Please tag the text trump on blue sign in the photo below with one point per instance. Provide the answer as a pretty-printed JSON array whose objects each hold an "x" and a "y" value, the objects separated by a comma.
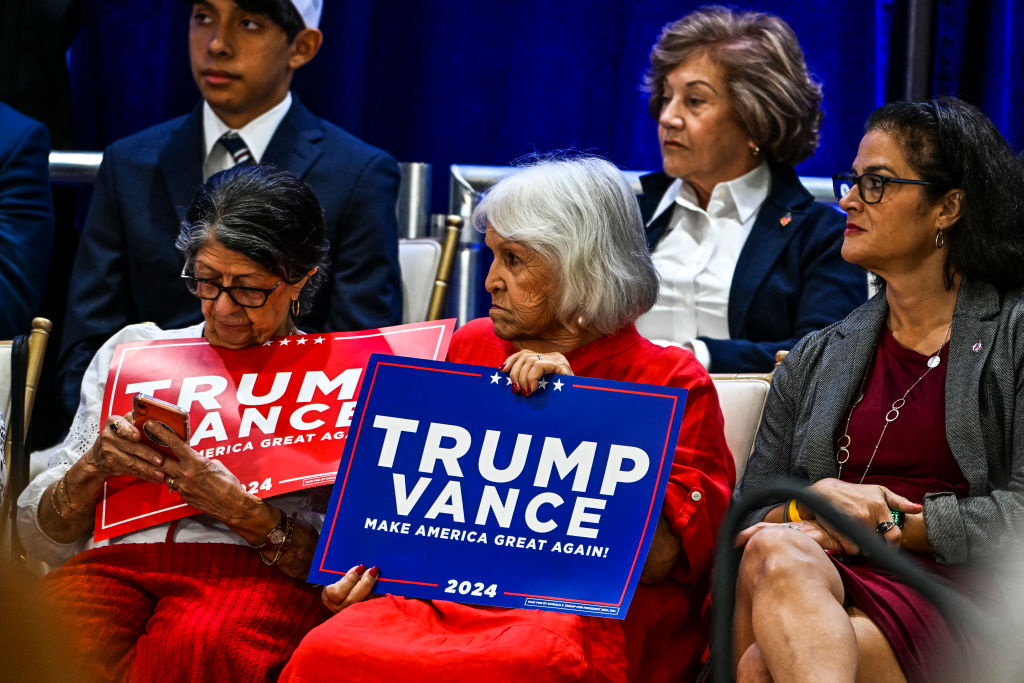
[{"x": 460, "y": 489}]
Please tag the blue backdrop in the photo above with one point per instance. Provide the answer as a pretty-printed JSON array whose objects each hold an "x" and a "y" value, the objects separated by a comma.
[{"x": 449, "y": 81}]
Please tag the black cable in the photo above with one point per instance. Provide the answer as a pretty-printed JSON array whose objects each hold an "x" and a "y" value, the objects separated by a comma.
[{"x": 957, "y": 610}]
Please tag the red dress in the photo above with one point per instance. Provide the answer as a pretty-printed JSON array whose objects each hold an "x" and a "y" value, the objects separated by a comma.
[
  {"x": 913, "y": 459},
  {"x": 666, "y": 629}
]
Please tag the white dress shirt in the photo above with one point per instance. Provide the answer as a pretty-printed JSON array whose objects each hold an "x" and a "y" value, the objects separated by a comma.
[
  {"x": 256, "y": 135},
  {"x": 696, "y": 259}
]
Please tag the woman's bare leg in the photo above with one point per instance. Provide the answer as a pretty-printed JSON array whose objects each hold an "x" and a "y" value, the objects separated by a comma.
[
  {"x": 752, "y": 668},
  {"x": 790, "y": 602},
  {"x": 876, "y": 662}
]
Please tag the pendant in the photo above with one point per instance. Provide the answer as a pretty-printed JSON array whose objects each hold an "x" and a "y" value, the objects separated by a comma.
[{"x": 934, "y": 361}]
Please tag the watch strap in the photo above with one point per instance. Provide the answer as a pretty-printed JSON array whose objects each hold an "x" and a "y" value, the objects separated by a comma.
[{"x": 279, "y": 530}]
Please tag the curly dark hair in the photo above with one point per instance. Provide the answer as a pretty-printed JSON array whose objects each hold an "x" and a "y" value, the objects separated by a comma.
[
  {"x": 953, "y": 145},
  {"x": 268, "y": 215}
]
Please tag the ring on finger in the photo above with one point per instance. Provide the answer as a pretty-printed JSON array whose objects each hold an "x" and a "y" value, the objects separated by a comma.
[
  {"x": 171, "y": 485},
  {"x": 884, "y": 527},
  {"x": 540, "y": 357}
]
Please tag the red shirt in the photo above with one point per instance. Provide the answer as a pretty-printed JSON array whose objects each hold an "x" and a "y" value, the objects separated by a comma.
[{"x": 666, "y": 629}]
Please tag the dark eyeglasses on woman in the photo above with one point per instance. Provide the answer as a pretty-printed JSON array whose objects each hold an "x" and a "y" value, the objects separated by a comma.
[
  {"x": 247, "y": 297},
  {"x": 870, "y": 185}
]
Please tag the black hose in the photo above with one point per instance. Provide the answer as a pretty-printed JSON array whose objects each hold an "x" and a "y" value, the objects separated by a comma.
[{"x": 957, "y": 609}]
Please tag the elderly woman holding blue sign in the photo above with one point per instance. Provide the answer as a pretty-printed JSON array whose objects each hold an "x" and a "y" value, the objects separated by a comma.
[
  {"x": 156, "y": 602},
  {"x": 571, "y": 274}
]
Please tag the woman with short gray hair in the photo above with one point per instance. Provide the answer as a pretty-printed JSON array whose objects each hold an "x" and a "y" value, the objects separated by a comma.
[
  {"x": 749, "y": 261},
  {"x": 585, "y": 225},
  {"x": 570, "y": 275}
]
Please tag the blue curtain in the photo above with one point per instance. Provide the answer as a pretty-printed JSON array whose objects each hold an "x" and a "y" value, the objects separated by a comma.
[
  {"x": 450, "y": 81},
  {"x": 980, "y": 58}
]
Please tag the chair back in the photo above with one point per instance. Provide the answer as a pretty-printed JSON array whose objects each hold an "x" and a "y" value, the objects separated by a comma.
[
  {"x": 419, "y": 259},
  {"x": 426, "y": 268},
  {"x": 742, "y": 399},
  {"x": 21, "y": 363}
]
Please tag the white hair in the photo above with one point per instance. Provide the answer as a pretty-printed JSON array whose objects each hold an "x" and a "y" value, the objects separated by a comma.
[{"x": 581, "y": 216}]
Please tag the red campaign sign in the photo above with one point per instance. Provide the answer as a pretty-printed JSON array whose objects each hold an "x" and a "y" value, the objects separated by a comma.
[{"x": 277, "y": 415}]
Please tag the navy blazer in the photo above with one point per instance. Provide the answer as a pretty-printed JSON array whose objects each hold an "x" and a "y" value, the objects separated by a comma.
[
  {"x": 127, "y": 268},
  {"x": 26, "y": 220},
  {"x": 790, "y": 278}
]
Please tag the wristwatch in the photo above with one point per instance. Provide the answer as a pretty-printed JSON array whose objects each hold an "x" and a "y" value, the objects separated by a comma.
[{"x": 276, "y": 535}]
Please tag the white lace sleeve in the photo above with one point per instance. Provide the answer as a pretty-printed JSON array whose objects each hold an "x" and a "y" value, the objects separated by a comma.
[{"x": 80, "y": 438}]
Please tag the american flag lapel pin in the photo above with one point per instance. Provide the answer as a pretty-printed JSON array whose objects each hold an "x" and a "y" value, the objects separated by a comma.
[{"x": 784, "y": 221}]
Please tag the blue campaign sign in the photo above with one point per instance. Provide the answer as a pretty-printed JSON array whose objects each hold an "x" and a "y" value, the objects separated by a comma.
[{"x": 459, "y": 489}]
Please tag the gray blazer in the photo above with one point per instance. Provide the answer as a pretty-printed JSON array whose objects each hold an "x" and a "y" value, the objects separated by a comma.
[{"x": 817, "y": 381}]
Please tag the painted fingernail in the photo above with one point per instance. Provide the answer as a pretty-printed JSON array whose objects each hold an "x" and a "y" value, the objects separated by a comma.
[
  {"x": 359, "y": 569},
  {"x": 515, "y": 388},
  {"x": 373, "y": 572},
  {"x": 528, "y": 391}
]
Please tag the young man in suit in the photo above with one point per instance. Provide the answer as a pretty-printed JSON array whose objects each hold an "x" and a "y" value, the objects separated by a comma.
[{"x": 243, "y": 55}]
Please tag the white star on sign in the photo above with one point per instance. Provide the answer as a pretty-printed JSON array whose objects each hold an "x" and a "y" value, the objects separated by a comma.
[
  {"x": 300, "y": 340},
  {"x": 268, "y": 343},
  {"x": 558, "y": 385},
  {"x": 318, "y": 340},
  {"x": 283, "y": 342},
  {"x": 495, "y": 378},
  {"x": 508, "y": 380},
  {"x": 542, "y": 384}
]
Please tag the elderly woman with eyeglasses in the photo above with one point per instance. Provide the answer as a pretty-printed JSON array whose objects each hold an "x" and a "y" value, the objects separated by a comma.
[
  {"x": 908, "y": 415},
  {"x": 220, "y": 595},
  {"x": 748, "y": 261}
]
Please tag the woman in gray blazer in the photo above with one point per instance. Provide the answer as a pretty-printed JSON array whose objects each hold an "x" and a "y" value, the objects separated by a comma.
[{"x": 908, "y": 415}]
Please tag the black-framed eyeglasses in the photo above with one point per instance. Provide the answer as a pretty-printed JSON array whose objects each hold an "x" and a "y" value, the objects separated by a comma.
[
  {"x": 870, "y": 185},
  {"x": 247, "y": 297}
]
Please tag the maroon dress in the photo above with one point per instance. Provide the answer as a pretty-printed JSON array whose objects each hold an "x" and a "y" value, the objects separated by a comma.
[{"x": 913, "y": 459}]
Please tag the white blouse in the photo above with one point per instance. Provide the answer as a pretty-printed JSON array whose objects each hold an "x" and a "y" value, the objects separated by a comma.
[
  {"x": 696, "y": 260},
  {"x": 84, "y": 430}
]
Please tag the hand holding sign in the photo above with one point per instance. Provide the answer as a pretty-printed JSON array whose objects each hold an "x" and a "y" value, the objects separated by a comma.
[
  {"x": 460, "y": 498},
  {"x": 354, "y": 587},
  {"x": 527, "y": 368}
]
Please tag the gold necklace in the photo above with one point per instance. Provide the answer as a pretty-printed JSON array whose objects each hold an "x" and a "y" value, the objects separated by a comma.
[{"x": 843, "y": 452}]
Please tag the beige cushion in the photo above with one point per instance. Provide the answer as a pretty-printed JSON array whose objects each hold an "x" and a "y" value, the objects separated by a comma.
[
  {"x": 419, "y": 259},
  {"x": 742, "y": 400}
]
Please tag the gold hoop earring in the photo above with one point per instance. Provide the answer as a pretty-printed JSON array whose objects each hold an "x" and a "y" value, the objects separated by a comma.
[
  {"x": 940, "y": 238},
  {"x": 296, "y": 307}
]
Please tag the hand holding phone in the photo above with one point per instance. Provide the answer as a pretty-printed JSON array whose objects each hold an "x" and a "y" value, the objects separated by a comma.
[{"x": 146, "y": 408}]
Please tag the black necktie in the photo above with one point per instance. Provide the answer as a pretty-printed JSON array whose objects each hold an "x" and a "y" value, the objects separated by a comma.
[{"x": 236, "y": 148}]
